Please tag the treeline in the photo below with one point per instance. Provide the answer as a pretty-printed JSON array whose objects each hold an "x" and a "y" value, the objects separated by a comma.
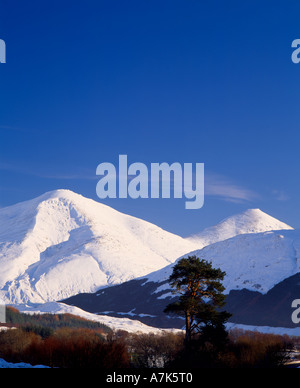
[
  {"x": 77, "y": 343},
  {"x": 60, "y": 340},
  {"x": 87, "y": 348},
  {"x": 65, "y": 348},
  {"x": 242, "y": 349},
  {"x": 46, "y": 324}
]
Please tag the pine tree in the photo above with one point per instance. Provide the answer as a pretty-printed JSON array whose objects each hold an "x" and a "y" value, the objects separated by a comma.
[{"x": 200, "y": 296}]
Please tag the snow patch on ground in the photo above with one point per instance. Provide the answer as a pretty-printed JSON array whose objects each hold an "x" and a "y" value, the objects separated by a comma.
[
  {"x": 8, "y": 365},
  {"x": 129, "y": 325},
  {"x": 266, "y": 329}
]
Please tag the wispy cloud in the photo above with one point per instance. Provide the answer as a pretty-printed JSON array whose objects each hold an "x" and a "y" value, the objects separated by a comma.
[
  {"x": 215, "y": 184},
  {"x": 224, "y": 188},
  {"x": 18, "y": 169},
  {"x": 280, "y": 195}
]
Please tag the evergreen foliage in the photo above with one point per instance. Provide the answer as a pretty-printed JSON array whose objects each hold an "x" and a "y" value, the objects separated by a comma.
[
  {"x": 200, "y": 297},
  {"x": 45, "y": 324}
]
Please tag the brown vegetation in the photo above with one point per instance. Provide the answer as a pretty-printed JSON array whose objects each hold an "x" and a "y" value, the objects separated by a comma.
[
  {"x": 243, "y": 349},
  {"x": 93, "y": 347},
  {"x": 154, "y": 350},
  {"x": 66, "y": 348},
  {"x": 254, "y": 349},
  {"x": 60, "y": 340}
]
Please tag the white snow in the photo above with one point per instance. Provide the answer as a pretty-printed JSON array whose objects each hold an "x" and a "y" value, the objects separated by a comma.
[
  {"x": 135, "y": 326},
  {"x": 61, "y": 244},
  {"x": 266, "y": 329},
  {"x": 256, "y": 261},
  {"x": 129, "y": 325},
  {"x": 5, "y": 365},
  {"x": 250, "y": 221}
]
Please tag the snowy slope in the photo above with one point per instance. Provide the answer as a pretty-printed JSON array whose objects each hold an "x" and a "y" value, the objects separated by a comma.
[
  {"x": 255, "y": 261},
  {"x": 62, "y": 243},
  {"x": 129, "y": 325},
  {"x": 250, "y": 221},
  {"x": 255, "y": 250},
  {"x": 262, "y": 279}
]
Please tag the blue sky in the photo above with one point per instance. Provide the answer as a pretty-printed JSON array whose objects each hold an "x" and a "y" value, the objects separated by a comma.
[{"x": 160, "y": 81}]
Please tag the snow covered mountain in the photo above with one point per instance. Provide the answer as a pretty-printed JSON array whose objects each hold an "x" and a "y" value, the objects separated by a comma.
[
  {"x": 262, "y": 279},
  {"x": 254, "y": 261},
  {"x": 250, "y": 221},
  {"x": 62, "y": 243}
]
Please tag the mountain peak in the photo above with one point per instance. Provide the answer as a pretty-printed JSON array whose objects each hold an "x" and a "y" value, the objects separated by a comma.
[
  {"x": 257, "y": 219},
  {"x": 249, "y": 221},
  {"x": 62, "y": 243},
  {"x": 60, "y": 193},
  {"x": 255, "y": 212}
]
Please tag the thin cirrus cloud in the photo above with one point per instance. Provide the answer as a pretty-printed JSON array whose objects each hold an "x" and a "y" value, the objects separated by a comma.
[
  {"x": 26, "y": 170},
  {"x": 223, "y": 188},
  {"x": 280, "y": 195},
  {"x": 215, "y": 185}
]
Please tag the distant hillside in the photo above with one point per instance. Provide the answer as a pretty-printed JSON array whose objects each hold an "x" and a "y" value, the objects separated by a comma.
[{"x": 35, "y": 322}]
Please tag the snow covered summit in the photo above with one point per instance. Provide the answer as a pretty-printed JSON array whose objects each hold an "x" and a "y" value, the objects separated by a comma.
[
  {"x": 62, "y": 243},
  {"x": 250, "y": 221},
  {"x": 262, "y": 280}
]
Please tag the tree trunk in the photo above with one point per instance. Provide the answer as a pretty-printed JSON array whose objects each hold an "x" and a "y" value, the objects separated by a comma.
[{"x": 188, "y": 324}]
